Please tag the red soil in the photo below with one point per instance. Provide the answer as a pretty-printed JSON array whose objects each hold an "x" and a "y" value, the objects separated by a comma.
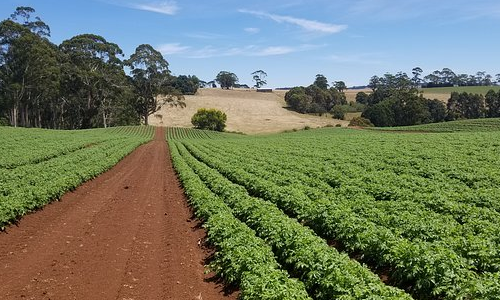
[{"x": 127, "y": 234}]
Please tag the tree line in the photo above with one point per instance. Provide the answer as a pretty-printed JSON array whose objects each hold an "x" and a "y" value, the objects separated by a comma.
[
  {"x": 446, "y": 77},
  {"x": 396, "y": 101},
  {"x": 82, "y": 82},
  {"x": 318, "y": 97}
]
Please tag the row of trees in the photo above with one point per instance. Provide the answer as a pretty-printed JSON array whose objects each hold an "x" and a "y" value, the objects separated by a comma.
[
  {"x": 446, "y": 77},
  {"x": 316, "y": 98},
  {"x": 228, "y": 80},
  {"x": 395, "y": 101},
  {"x": 80, "y": 83}
]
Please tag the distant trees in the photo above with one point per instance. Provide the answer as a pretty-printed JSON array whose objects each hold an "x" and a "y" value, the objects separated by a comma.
[
  {"x": 81, "y": 83},
  {"x": 395, "y": 101},
  {"x": 321, "y": 82},
  {"x": 210, "y": 119},
  {"x": 446, "y": 77},
  {"x": 316, "y": 98},
  {"x": 340, "y": 86},
  {"x": 226, "y": 79},
  {"x": 188, "y": 85},
  {"x": 259, "y": 78}
]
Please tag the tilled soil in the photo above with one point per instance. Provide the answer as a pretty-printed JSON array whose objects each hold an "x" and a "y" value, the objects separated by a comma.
[{"x": 127, "y": 234}]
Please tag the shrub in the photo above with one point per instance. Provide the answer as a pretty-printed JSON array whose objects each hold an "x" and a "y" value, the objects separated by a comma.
[
  {"x": 338, "y": 112},
  {"x": 361, "y": 122},
  {"x": 211, "y": 119}
]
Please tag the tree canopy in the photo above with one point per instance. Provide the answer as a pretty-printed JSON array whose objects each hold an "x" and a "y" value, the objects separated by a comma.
[{"x": 226, "y": 79}]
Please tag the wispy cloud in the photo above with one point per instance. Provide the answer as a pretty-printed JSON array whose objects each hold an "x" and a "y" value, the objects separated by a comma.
[
  {"x": 248, "y": 50},
  {"x": 163, "y": 7},
  {"x": 252, "y": 30},
  {"x": 172, "y": 48},
  {"x": 309, "y": 25}
]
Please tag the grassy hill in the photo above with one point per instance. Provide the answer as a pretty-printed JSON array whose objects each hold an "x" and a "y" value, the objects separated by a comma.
[{"x": 247, "y": 111}]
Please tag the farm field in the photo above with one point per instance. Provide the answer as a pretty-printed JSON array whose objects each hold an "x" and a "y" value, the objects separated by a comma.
[
  {"x": 416, "y": 213},
  {"x": 330, "y": 213},
  {"x": 127, "y": 234}
]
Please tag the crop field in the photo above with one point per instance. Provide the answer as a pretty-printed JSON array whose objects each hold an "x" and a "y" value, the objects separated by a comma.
[
  {"x": 350, "y": 214},
  {"x": 38, "y": 166},
  {"x": 330, "y": 213}
]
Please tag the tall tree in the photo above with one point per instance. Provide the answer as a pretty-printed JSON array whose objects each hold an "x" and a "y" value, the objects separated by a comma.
[
  {"x": 152, "y": 81},
  {"x": 340, "y": 86},
  {"x": 91, "y": 65},
  {"x": 28, "y": 69},
  {"x": 417, "y": 72},
  {"x": 36, "y": 26},
  {"x": 321, "y": 82},
  {"x": 259, "y": 77},
  {"x": 226, "y": 79}
]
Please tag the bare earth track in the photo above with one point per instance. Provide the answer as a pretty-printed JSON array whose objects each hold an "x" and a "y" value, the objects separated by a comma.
[{"x": 128, "y": 234}]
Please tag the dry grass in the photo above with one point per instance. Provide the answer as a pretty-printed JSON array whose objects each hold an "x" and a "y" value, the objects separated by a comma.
[{"x": 247, "y": 111}]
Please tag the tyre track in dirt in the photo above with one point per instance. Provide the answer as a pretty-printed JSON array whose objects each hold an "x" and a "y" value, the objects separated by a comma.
[{"x": 127, "y": 234}]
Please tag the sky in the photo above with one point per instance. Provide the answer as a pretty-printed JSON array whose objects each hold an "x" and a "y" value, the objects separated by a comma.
[{"x": 291, "y": 40}]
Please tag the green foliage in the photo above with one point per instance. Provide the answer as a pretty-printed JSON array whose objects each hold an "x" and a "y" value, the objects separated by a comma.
[
  {"x": 187, "y": 85},
  {"x": 226, "y": 79},
  {"x": 338, "y": 112},
  {"x": 209, "y": 119},
  {"x": 326, "y": 273},
  {"x": 314, "y": 99},
  {"x": 241, "y": 257},
  {"x": 465, "y": 106},
  {"x": 152, "y": 81},
  {"x": 360, "y": 122},
  {"x": 321, "y": 82},
  {"x": 362, "y": 98},
  {"x": 492, "y": 100},
  {"x": 418, "y": 207}
]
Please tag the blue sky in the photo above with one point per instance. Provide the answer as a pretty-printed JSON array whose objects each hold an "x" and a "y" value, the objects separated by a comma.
[{"x": 291, "y": 40}]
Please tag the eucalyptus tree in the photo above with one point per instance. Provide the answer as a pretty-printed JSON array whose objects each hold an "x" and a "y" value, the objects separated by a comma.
[
  {"x": 152, "y": 82},
  {"x": 226, "y": 79},
  {"x": 259, "y": 77},
  {"x": 29, "y": 71},
  {"x": 91, "y": 67}
]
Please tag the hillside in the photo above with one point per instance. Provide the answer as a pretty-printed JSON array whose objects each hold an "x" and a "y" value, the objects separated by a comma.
[{"x": 247, "y": 111}]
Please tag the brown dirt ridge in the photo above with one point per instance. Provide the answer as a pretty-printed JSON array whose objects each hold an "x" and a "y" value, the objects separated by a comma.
[{"x": 127, "y": 234}]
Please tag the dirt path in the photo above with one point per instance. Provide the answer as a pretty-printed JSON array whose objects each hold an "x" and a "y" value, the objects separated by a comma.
[{"x": 125, "y": 235}]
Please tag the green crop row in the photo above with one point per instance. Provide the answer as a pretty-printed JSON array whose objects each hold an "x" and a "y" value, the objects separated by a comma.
[
  {"x": 326, "y": 273},
  {"x": 241, "y": 257},
  {"x": 478, "y": 242},
  {"x": 425, "y": 268}
]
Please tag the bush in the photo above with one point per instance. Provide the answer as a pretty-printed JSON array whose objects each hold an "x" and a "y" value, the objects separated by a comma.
[
  {"x": 360, "y": 122},
  {"x": 338, "y": 112},
  {"x": 211, "y": 119}
]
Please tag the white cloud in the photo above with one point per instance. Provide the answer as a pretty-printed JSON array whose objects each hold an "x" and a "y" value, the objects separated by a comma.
[
  {"x": 309, "y": 25},
  {"x": 276, "y": 50},
  {"x": 172, "y": 48},
  {"x": 163, "y": 7},
  {"x": 249, "y": 50},
  {"x": 252, "y": 30}
]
